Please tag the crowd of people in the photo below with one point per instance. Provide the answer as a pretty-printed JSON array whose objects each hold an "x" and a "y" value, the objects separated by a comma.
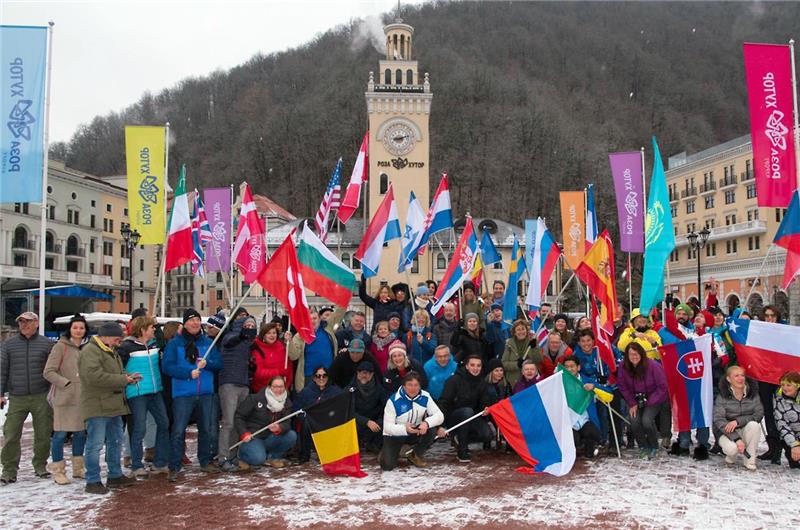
[{"x": 133, "y": 388}]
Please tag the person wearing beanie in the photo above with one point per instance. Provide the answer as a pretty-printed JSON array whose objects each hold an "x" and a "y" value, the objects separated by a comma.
[
  {"x": 497, "y": 330},
  {"x": 192, "y": 391},
  {"x": 399, "y": 365},
  {"x": 471, "y": 304},
  {"x": 343, "y": 368},
  {"x": 103, "y": 382},
  {"x": 214, "y": 325},
  {"x": 395, "y": 324},
  {"x": 402, "y": 298},
  {"x": 470, "y": 340},
  {"x": 424, "y": 300},
  {"x": 497, "y": 385},
  {"x": 369, "y": 398},
  {"x": 561, "y": 324}
]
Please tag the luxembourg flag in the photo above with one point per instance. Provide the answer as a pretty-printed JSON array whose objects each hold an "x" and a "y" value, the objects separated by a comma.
[
  {"x": 788, "y": 237},
  {"x": 440, "y": 214},
  {"x": 687, "y": 365},
  {"x": 545, "y": 258},
  {"x": 460, "y": 267},
  {"x": 383, "y": 227},
  {"x": 764, "y": 349},
  {"x": 415, "y": 228},
  {"x": 591, "y": 218},
  {"x": 179, "y": 242}
]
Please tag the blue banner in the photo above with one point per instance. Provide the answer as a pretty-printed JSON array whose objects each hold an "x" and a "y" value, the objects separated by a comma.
[
  {"x": 530, "y": 239},
  {"x": 23, "y": 60}
]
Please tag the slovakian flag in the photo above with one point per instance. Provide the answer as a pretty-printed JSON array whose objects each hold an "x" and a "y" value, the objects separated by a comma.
[
  {"x": 440, "y": 214},
  {"x": 281, "y": 277},
  {"x": 537, "y": 423},
  {"x": 248, "y": 249},
  {"x": 687, "y": 366},
  {"x": 323, "y": 272},
  {"x": 543, "y": 262},
  {"x": 768, "y": 71},
  {"x": 383, "y": 227},
  {"x": 591, "y": 219},
  {"x": 596, "y": 270},
  {"x": 460, "y": 267},
  {"x": 333, "y": 430},
  {"x": 352, "y": 194},
  {"x": 179, "y": 241},
  {"x": 788, "y": 237},
  {"x": 764, "y": 349}
]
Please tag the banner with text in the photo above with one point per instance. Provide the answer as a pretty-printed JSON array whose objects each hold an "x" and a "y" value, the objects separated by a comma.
[
  {"x": 626, "y": 168},
  {"x": 145, "y": 158},
  {"x": 23, "y": 62},
  {"x": 573, "y": 226},
  {"x": 218, "y": 212},
  {"x": 768, "y": 71}
]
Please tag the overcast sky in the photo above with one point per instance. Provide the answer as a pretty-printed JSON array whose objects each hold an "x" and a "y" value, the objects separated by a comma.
[{"x": 107, "y": 53}]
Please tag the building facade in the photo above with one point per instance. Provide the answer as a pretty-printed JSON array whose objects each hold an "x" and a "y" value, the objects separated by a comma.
[{"x": 715, "y": 188}]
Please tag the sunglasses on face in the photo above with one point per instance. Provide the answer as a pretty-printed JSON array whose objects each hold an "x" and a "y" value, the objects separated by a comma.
[
  {"x": 320, "y": 376},
  {"x": 770, "y": 315}
]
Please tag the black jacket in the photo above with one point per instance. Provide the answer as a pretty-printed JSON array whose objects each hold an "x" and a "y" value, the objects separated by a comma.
[
  {"x": 343, "y": 369},
  {"x": 464, "y": 344},
  {"x": 252, "y": 414},
  {"x": 392, "y": 378},
  {"x": 464, "y": 390},
  {"x": 22, "y": 363},
  {"x": 369, "y": 407}
]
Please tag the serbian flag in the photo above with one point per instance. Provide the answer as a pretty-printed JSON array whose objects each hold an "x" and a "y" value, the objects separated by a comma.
[
  {"x": 537, "y": 423},
  {"x": 596, "y": 270},
  {"x": 687, "y": 366},
  {"x": 440, "y": 214},
  {"x": 383, "y": 227},
  {"x": 764, "y": 349},
  {"x": 460, "y": 267},
  {"x": 788, "y": 237},
  {"x": 603, "y": 337},
  {"x": 591, "y": 218},
  {"x": 360, "y": 175},
  {"x": 281, "y": 278},
  {"x": 333, "y": 430},
  {"x": 543, "y": 263},
  {"x": 248, "y": 250},
  {"x": 179, "y": 241}
]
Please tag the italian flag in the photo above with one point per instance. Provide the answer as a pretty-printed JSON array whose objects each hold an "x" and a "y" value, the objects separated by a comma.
[
  {"x": 323, "y": 272},
  {"x": 179, "y": 240}
]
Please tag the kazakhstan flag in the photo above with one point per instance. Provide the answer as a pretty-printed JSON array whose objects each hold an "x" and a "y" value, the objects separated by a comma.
[{"x": 659, "y": 238}]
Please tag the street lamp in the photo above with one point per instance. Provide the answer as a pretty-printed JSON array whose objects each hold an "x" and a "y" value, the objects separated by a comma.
[
  {"x": 698, "y": 242},
  {"x": 131, "y": 238}
]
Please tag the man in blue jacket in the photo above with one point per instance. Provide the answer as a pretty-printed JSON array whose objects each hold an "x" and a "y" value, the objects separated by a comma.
[{"x": 192, "y": 388}]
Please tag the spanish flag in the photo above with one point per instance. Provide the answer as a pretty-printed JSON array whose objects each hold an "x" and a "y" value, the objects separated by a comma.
[
  {"x": 333, "y": 429},
  {"x": 596, "y": 270}
]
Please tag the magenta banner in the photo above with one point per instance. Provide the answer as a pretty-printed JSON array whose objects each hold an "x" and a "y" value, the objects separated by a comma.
[
  {"x": 768, "y": 70},
  {"x": 626, "y": 168},
  {"x": 218, "y": 211}
]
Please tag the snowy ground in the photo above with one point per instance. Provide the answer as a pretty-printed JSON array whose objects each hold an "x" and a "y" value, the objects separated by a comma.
[{"x": 608, "y": 493}]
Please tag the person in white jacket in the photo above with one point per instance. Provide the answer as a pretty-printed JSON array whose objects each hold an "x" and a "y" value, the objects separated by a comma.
[{"x": 410, "y": 417}]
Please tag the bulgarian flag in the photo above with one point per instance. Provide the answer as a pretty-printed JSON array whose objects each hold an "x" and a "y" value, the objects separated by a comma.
[
  {"x": 179, "y": 241},
  {"x": 323, "y": 272}
]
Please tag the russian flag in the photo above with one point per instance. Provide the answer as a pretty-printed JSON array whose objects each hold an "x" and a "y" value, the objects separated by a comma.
[
  {"x": 460, "y": 267},
  {"x": 765, "y": 350},
  {"x": 545, "y": 258},
  {"x": 383, "y": 227},
  {"x": 788, "y": 237},
  {"x": 440, "y": 214},
  {"x": 687, "y": 365},
  {"x": 537, "y": 423}
]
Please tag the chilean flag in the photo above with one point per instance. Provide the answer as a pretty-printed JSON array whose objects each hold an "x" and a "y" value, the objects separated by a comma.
[
  {"x": 383, "y": 227},
  {"x": 440, "y": 214},
  {"x": 788, "y": 237},
  {"x": 687, "y": 365},
  {"x": 764, "y": 349}
]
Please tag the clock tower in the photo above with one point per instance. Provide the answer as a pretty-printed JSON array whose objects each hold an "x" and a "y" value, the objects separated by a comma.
[{"x": 399, "y": 105}]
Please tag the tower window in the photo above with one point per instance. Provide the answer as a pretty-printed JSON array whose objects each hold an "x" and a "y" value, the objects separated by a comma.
[
  {"x": 383, "y": 186},
  {"x": 409, "y": 77},
  {"x": 399, "y": 76},
  {"x": 387, "y": 77}
]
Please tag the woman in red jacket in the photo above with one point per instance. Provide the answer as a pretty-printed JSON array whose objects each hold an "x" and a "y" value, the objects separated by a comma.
[{"x": 268, "y": 358}]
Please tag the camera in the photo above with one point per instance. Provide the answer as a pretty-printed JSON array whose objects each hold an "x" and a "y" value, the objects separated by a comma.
[{"x": 641, "y": 399}]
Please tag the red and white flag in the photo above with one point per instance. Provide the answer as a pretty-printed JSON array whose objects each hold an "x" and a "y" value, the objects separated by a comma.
[
  {"x": 249, "y": 247},
  {"x": 282, "y": 279},
  {"x": 179, "y": 238},
  {"x": 360, "y": 175}
]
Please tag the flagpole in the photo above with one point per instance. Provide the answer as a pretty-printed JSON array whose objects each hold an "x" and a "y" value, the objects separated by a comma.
[
  {"x": 45, "y": 165},
  {"x": 230, "y": 250},
  {"x": 558, "y": 296},
  {"x": 586, "y": 229},
  {"x": 292, "y": 415},
  {"x": 456, "y": 426},
  {"x": 163, "y": 274},
  {"x": 286, "y": 349},
  {"x": 228, "y": 321},
  {"x": 266, "y": 253},
  {"x": 630, "y": 285},
  {"x": 758, "y": 275}
]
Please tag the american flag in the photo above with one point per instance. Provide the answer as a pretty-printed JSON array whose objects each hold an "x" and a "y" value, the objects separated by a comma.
[{"x": 331, "y": 201}]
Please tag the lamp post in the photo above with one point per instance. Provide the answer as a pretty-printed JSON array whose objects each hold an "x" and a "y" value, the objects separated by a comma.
[
  {"x": 698, "y": 242},
  {"x": 131, "y": 238}
]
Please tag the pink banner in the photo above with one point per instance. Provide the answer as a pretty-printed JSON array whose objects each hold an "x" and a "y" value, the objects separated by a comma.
[
  {"x": 218, "y": 211},
  {"x": 768, "y": 70}
]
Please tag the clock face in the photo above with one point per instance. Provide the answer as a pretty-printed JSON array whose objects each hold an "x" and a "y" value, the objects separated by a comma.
[{"x": 398, "y": 139}]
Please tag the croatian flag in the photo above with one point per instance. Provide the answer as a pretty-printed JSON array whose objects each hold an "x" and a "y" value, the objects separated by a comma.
[
  {"x": 543, "y": 263},
  {"x": 440, "y": 214},
  {"x": 764, "y": 349},
  {"x": 591, "y": 218},
  {"x": 687, "y": 366},
  {"x": 460, "y": 267},
  {"x": 383, "y": 227}
]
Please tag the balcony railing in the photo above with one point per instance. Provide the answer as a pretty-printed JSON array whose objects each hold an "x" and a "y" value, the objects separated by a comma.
[
  {"x": 24, "y": 244},
  {"x": 708, "y": 188},
  {"x": 721, "y": 233},
  {"x": 77, "y": 252},
  {"x": 673, "y": 197},
  {"x": 730, "y": 180},
  {"x": 53, "y": 249},
  {"x": 691, "y": 192},
  {"x": 747, "y": 175}
]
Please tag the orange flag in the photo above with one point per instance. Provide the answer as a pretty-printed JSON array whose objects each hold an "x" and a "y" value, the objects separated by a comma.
[
  {"x": 573, "y": 226},
  {"x": 597, "y": 271}
]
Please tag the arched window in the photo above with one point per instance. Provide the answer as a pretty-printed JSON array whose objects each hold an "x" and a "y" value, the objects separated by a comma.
[
  {"x": 356, "y": 264},
  {"x": 72, "y": 246},
  {"x": 20, "y": 237},
  {"x": 346, "y": 258},
  {"x": 441, "y": 262},
  {"x": 49, "y": 244},
  {"x": 409, "y": 77},
  {"x": 387, "y": 77},
  {"x": 399, "y": 76},
  {"x": 415, "y": 265},
  {"x": 498, "y": 265},
  {"x": 383, "y": 185}
]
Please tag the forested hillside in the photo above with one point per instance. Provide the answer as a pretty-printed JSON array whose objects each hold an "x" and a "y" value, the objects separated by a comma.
[{"x": 528, "y": 99}]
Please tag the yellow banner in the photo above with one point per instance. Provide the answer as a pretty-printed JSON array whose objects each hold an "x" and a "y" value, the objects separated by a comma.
[
  {"x": 573, "y": 226},
  {"x": 144, "y": 153}
]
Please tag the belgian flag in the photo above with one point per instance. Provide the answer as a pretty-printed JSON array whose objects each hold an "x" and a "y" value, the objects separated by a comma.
[{"x": 333, "y": 429}]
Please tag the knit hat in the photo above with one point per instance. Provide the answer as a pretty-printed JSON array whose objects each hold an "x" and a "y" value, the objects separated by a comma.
[
  {"x": 110, "y": 329},
  {"x": 471, "y": 315},
  {"x": 684, "y": 307},
  {"x": 325, "y": 309},
  {"x": 397, "y": 345},
  {"x": 190, "y": 313},
  {"x": 469, "y": 285},
  {"x": 239, "y": 312},
  {"x": 365, "y": 366},
  {"x": 399, "y": 287},
  {"x": 139, "y": 312},
  {"x": 250, "y": 318},
  {"x": 217, "y": 321},
  {"x": 356, "y": 345},
  {"x": 393, "y": 314},
  {"x": 561, "y": 316},
  {"x": 422, "y": 290},
  {"x": 492, "y": 364},
  {"x": 496, "y": 306}
]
